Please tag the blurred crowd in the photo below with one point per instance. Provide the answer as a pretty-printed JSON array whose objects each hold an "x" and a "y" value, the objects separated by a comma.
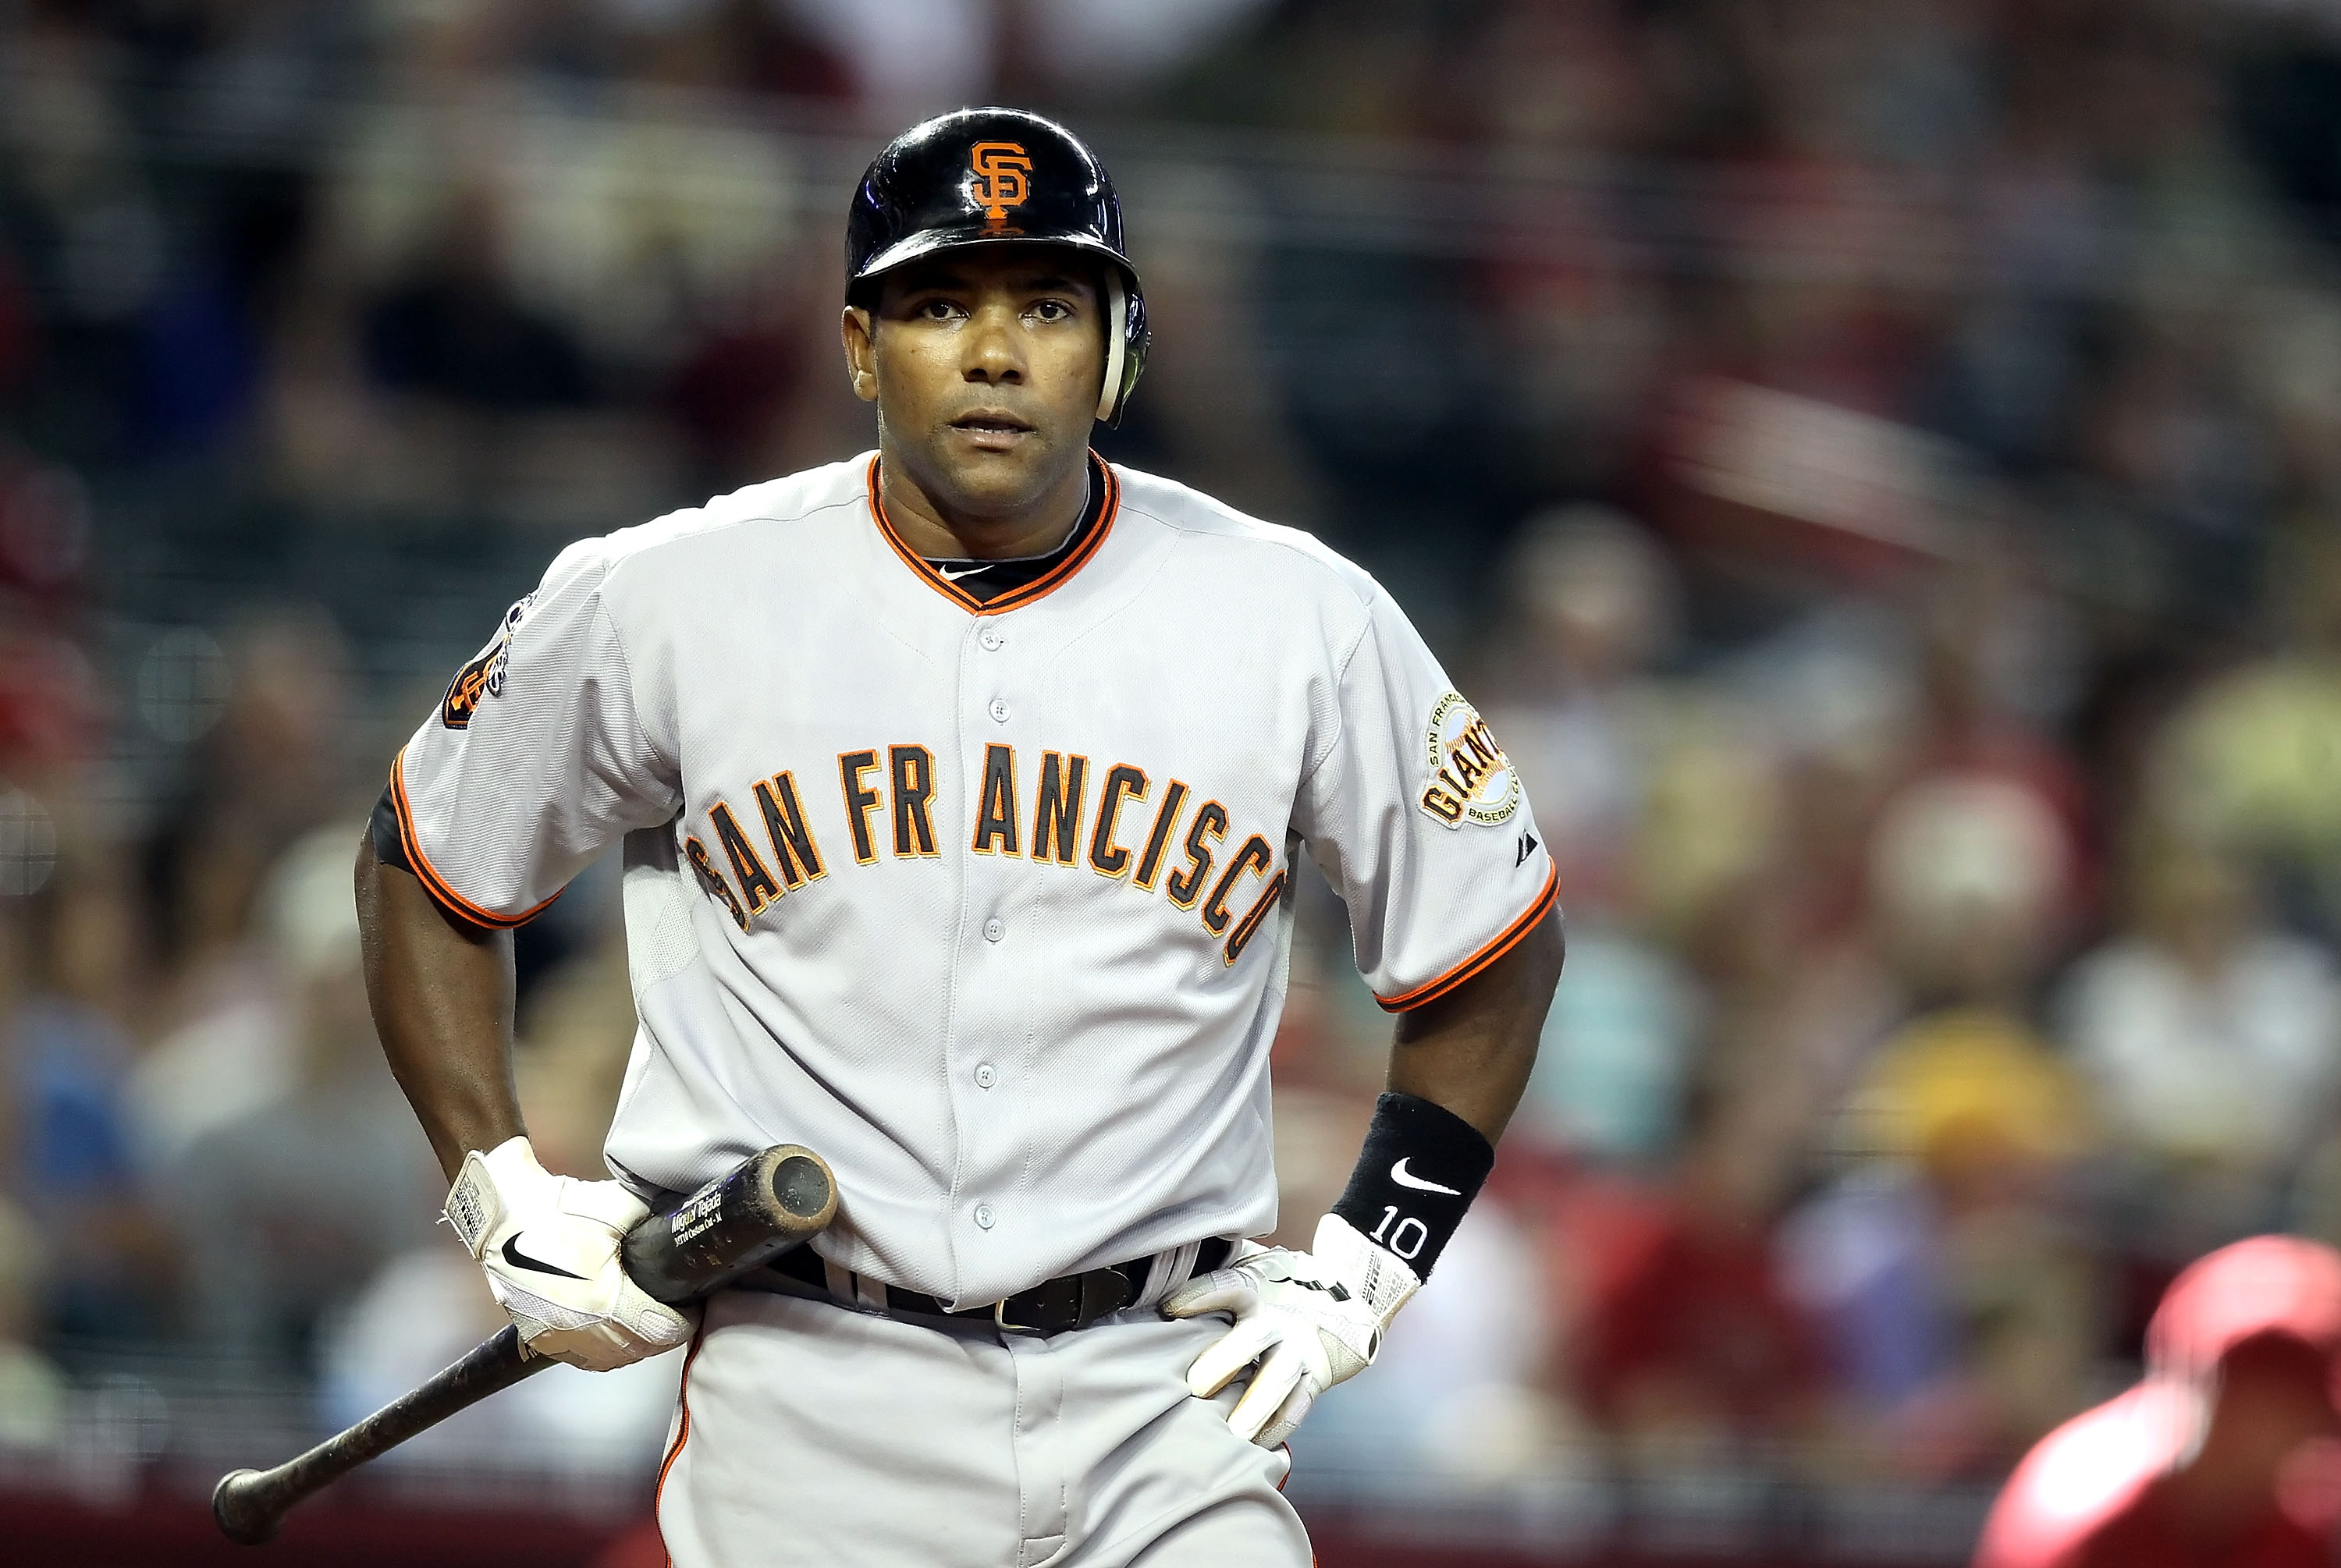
[{"x": 1877, "y": 465}]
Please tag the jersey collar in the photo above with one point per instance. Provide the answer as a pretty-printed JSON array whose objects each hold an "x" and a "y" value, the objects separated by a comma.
[{"x": 1014, "y": 597}]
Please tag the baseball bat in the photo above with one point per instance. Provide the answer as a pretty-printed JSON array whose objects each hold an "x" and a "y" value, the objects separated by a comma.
[{"x": 767, "y": 1203}]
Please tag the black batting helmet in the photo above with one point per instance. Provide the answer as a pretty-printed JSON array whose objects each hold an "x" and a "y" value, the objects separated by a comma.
[{"x": 998, "y": 176}]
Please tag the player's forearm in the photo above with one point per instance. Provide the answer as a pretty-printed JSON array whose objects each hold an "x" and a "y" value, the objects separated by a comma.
[
  {"x": 1471, "y": 1050},
  {"x": 441, "y": 993}
]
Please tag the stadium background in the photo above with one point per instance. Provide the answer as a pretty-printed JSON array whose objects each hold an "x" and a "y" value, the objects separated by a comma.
[{"x": 1877, "y": 461}]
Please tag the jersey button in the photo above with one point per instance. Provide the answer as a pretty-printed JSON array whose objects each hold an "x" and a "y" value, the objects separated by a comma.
[
  {"x": 984, "y": 1216},
  {"x": 999, "y": 708},
  {"x": 995, "y": 928},
  {"x": 990, "y": 639},
  {"x": 986, "y": 1074}
]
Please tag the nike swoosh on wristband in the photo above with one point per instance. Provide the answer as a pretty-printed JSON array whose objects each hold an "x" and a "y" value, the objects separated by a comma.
[
  {"x": 519, "y": 1259},
  {"x": 1398, "y": 1175}
]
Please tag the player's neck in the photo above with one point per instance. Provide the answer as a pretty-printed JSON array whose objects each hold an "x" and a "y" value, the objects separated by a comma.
[{"x": 941, "y": 532}]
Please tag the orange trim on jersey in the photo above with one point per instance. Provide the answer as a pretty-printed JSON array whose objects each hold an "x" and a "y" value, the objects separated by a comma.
[
  {"x": 1014, "y": 597},
  {"x": 428, "y": 875},
  {"x": 681, "y": 1434},
  {"x": 1503, "y": 942}
]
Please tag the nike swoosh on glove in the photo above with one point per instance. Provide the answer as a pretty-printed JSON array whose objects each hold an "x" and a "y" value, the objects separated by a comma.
[
  {"x": 1308, "y": 1320},
  {"x": 550, "y": 1246}
]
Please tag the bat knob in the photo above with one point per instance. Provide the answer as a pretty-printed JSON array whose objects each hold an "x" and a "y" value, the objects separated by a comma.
[
  {"x": 239, "y": 1514},
  {"x": 802, "y": 1188}
]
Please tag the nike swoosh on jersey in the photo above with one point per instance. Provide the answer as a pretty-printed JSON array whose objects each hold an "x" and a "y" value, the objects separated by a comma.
[
  {"x": 519, "y": 1259},
  {"x": 1398, "y": 1175},
  {"x": 949, "y": 576}
]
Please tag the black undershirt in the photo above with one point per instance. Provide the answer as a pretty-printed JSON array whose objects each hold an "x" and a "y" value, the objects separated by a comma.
[{"x": 987, "y": 580}]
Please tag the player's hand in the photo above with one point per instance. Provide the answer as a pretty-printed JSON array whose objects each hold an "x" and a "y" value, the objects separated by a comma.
[
  {"x": 1308, "y": 1320},
  {"x": 550, "y": 1246}
]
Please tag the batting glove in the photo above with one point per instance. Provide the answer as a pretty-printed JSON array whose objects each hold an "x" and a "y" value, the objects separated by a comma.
[
  {"x": 550, "y": 1246},
  {"x": 1307, "y": 1319}
]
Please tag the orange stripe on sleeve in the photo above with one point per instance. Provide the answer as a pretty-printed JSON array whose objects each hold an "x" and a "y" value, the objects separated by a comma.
[
  {"x": 428, "y": 875},
  {"x": 1503, "y": 942}
]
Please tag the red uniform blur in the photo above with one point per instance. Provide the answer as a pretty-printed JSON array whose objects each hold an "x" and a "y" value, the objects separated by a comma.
[
  {"x": 2092, "y": 1494},
  {"x": 2223, "y": 1457}
]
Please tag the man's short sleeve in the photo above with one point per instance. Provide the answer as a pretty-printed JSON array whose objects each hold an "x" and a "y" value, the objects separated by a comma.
[
  {"x": 1419, "y": 821},
  {"x": 537, "y": 759}
]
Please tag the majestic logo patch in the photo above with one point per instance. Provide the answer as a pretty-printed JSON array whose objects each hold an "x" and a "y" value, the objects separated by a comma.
[
  {"x": 483, "y": 677},
  {"x": 1470, "y": 779},
  {"x": 1002, "y": 171}
]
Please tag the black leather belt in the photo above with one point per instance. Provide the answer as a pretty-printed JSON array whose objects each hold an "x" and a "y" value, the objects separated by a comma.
[{"x": 1068, "y": 1302}]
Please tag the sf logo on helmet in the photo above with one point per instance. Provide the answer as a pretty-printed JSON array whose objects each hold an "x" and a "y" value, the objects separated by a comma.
[{"x": 1001, "y": 170}]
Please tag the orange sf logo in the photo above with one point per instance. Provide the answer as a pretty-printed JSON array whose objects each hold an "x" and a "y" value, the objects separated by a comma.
[{"x": 1000, "y": 169}]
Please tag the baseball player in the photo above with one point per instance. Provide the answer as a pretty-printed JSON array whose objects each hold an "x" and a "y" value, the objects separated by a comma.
[{"x": 960, "y": 788}]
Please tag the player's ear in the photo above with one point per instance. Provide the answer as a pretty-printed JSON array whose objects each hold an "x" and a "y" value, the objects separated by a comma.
[{"x": 861, "y": 357}]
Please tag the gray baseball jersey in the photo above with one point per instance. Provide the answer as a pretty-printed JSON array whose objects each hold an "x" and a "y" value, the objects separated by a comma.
[{"x": 987, "y": 901}]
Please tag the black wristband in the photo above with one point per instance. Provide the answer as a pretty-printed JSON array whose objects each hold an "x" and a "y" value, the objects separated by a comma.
[{"x": 1421, "y": 1167}]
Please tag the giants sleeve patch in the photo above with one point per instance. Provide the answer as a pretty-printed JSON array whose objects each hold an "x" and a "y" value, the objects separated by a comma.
[
  {"x": 1471, "y": 780},
  {"x": 483, "y": 677}
]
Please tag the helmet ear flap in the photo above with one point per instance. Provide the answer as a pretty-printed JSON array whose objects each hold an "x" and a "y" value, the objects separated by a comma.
[{"x": 1117, "y": 345}]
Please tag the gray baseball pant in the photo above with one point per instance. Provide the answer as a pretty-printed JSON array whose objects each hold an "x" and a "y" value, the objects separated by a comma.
[{"x": 810, "y": 1432}]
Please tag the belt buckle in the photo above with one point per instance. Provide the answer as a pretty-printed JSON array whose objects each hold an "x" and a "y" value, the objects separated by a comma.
[
  {"x": 1074, "y": 1301},
  {"x": 1054, "y": 1303}
]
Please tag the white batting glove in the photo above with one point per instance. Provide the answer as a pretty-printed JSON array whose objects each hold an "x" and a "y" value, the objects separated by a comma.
[
  {"x": 1308, "y": 1319},
  {"x": 550, "y": 1246}
]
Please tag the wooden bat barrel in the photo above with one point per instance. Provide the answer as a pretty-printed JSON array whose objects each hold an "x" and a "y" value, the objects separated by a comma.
[{"x": 736, "y": 1223}]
